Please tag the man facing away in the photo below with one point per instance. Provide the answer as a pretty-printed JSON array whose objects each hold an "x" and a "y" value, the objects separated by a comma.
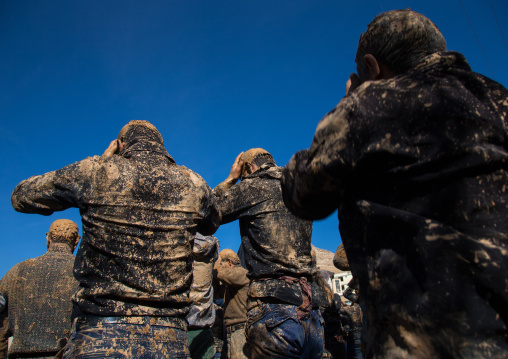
[
  {"x": 415, "y": 158},
  {"x": 234, "y": 277},
  {"x": 38, "y": 293},
  {"x": 280, "y": 319},
  {"x": 140, "y": 212}
]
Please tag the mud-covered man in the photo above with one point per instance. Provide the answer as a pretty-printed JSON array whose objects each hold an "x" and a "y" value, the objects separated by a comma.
[
  {"x": 38, "y": 293},
  {"x": 281, "y": 322},
  {"x": 140, "y": 212},
  {"x": 234, "y": 277},
  {"x": 415, "y": 158}
]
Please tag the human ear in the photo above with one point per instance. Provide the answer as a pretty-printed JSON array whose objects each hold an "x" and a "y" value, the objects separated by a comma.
[{"x": 372, "y": 67}]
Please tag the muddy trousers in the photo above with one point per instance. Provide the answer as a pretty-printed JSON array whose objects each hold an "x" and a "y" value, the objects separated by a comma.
[
  {"x": 275, "y": 331},
  {"x": 236, "y": 341},
  {"x": 128, "y": 337}
]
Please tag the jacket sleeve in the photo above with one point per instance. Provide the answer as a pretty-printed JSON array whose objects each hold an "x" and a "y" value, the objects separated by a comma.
[
  {"x": 209, "y": 212},
  {"x": 311, "y": 181},
  {"x": 55, "y": 191},
  {"x": 234, "y": 277},
  {"x": 239, "y": 200}
]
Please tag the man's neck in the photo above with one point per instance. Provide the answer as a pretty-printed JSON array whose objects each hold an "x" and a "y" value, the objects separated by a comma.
[{"x": 59, "y": 247}]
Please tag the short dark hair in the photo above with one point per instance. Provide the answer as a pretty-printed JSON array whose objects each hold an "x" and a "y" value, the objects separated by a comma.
[
  {"x": 262, "y": 159},
  {"x": 400, "y": 39},
  {"x": 137, "y": 129}
]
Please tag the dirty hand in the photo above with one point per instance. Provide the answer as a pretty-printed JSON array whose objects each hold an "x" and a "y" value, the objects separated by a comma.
[
  {"x": 111, "y": 150},
  {"x": 236, "y": 169},
  {"x": 352, "y": 83}
]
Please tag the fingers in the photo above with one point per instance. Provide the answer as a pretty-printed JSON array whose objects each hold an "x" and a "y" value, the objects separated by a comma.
[
  {"x": 111, "y": 150},
  {"x": 239, "y": 158}
]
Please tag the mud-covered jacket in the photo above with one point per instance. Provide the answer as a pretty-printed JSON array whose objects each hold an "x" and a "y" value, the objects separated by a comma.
[
  {"x": 235, "y": 298},
  {"x": 140, "y": 212},
  {"x": 417, "y": 165},
  {"x": 276, "y": 243},
  {"x": 39, "y": 305}
]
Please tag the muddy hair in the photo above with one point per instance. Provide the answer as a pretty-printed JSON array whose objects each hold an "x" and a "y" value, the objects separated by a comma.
[
  {"x": 228, "y": 254},
  {"x": 138, "y": 130},
  {"x": 262, "y": 159},
  {"x": 399, "y": 39},
  {"x": 63, "y": 231}
]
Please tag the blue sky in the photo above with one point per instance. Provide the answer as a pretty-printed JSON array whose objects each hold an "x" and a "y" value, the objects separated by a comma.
[{"x": 215, "y": 77}]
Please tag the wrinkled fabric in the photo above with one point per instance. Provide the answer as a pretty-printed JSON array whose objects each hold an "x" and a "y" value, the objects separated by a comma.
[
  {"x": 205, "y": 252},
  {"x": 144, "y": 340},
  {"x": 417, "y": 166},
  {"x": 236, "y": 341},
  {"x": 235, "y": 298},
  {"x": 219, "y": 332},
  {"x": 140, "y": 212},
  {"x": 353, "y": 326},
  {"x": 329, "y": 306},
  {"x": 39, "y": 304},
  {"x": 276, "y": 243},
  {"x": 275, "y": 331}
]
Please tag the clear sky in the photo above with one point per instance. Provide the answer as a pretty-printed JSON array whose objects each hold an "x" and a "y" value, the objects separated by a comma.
[{"x": 215, "y": 77}]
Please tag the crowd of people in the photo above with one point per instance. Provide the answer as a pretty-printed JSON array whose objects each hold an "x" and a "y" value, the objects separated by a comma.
[{"x": 415, "y": 159}]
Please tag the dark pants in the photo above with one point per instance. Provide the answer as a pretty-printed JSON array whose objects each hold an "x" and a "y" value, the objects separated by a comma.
[
  {"x": 274, "y": 331},
  {"x": 128, "y": 337}
]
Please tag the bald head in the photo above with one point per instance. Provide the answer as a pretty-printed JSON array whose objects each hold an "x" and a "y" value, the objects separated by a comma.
[{"x": 340, "y": 259}]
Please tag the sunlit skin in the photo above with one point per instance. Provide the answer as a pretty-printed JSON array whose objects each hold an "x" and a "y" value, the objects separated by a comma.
[
  {"x": 117, "y": 144},
  {"x": 376, "y": 70}
]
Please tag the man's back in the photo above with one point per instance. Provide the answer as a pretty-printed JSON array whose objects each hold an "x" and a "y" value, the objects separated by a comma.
[
  {"x": 418, "y": 164},
  {"x": 277, "y": 252},
  {"x": 39, "y": 305},
  {"x": 140, "y": 212},
  {"x": 276, "y": 243}
]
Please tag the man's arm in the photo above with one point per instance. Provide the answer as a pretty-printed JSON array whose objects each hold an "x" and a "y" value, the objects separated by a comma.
[
  {"x": 235, "y": 276},
  {"x": 210, "y": 215},
  {"x": 234, "y": 175},
  {"x": 56, "y": 190},
  {"x": 311, "y": 181}
]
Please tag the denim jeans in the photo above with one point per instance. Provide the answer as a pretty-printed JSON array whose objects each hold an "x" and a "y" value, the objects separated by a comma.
[
  {"x": 128, "y": 337},
  {"x": 274, "y": 331}
]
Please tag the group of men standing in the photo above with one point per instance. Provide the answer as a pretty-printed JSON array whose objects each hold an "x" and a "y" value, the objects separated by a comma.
[{"x": 415, "y": 158}]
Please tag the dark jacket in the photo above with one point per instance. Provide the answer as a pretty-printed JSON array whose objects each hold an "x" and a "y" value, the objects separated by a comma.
[
  {"x": 276, "y": 243},
  {"x": 417, "y": 166},
  {"x": 140, "y": 212},
  {"x": 39, "y": 306}
]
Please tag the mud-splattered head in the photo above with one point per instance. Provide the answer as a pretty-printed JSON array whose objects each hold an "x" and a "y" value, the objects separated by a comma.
[
  {"x": 137, "y": 129},
  {"x": 63, "y": 231},
  {"x": 400, "y": 39},
  {"x": 340, "y": 259},
  {"x": 229, "y": 254},
  {"x": 256, "y": 156}
]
